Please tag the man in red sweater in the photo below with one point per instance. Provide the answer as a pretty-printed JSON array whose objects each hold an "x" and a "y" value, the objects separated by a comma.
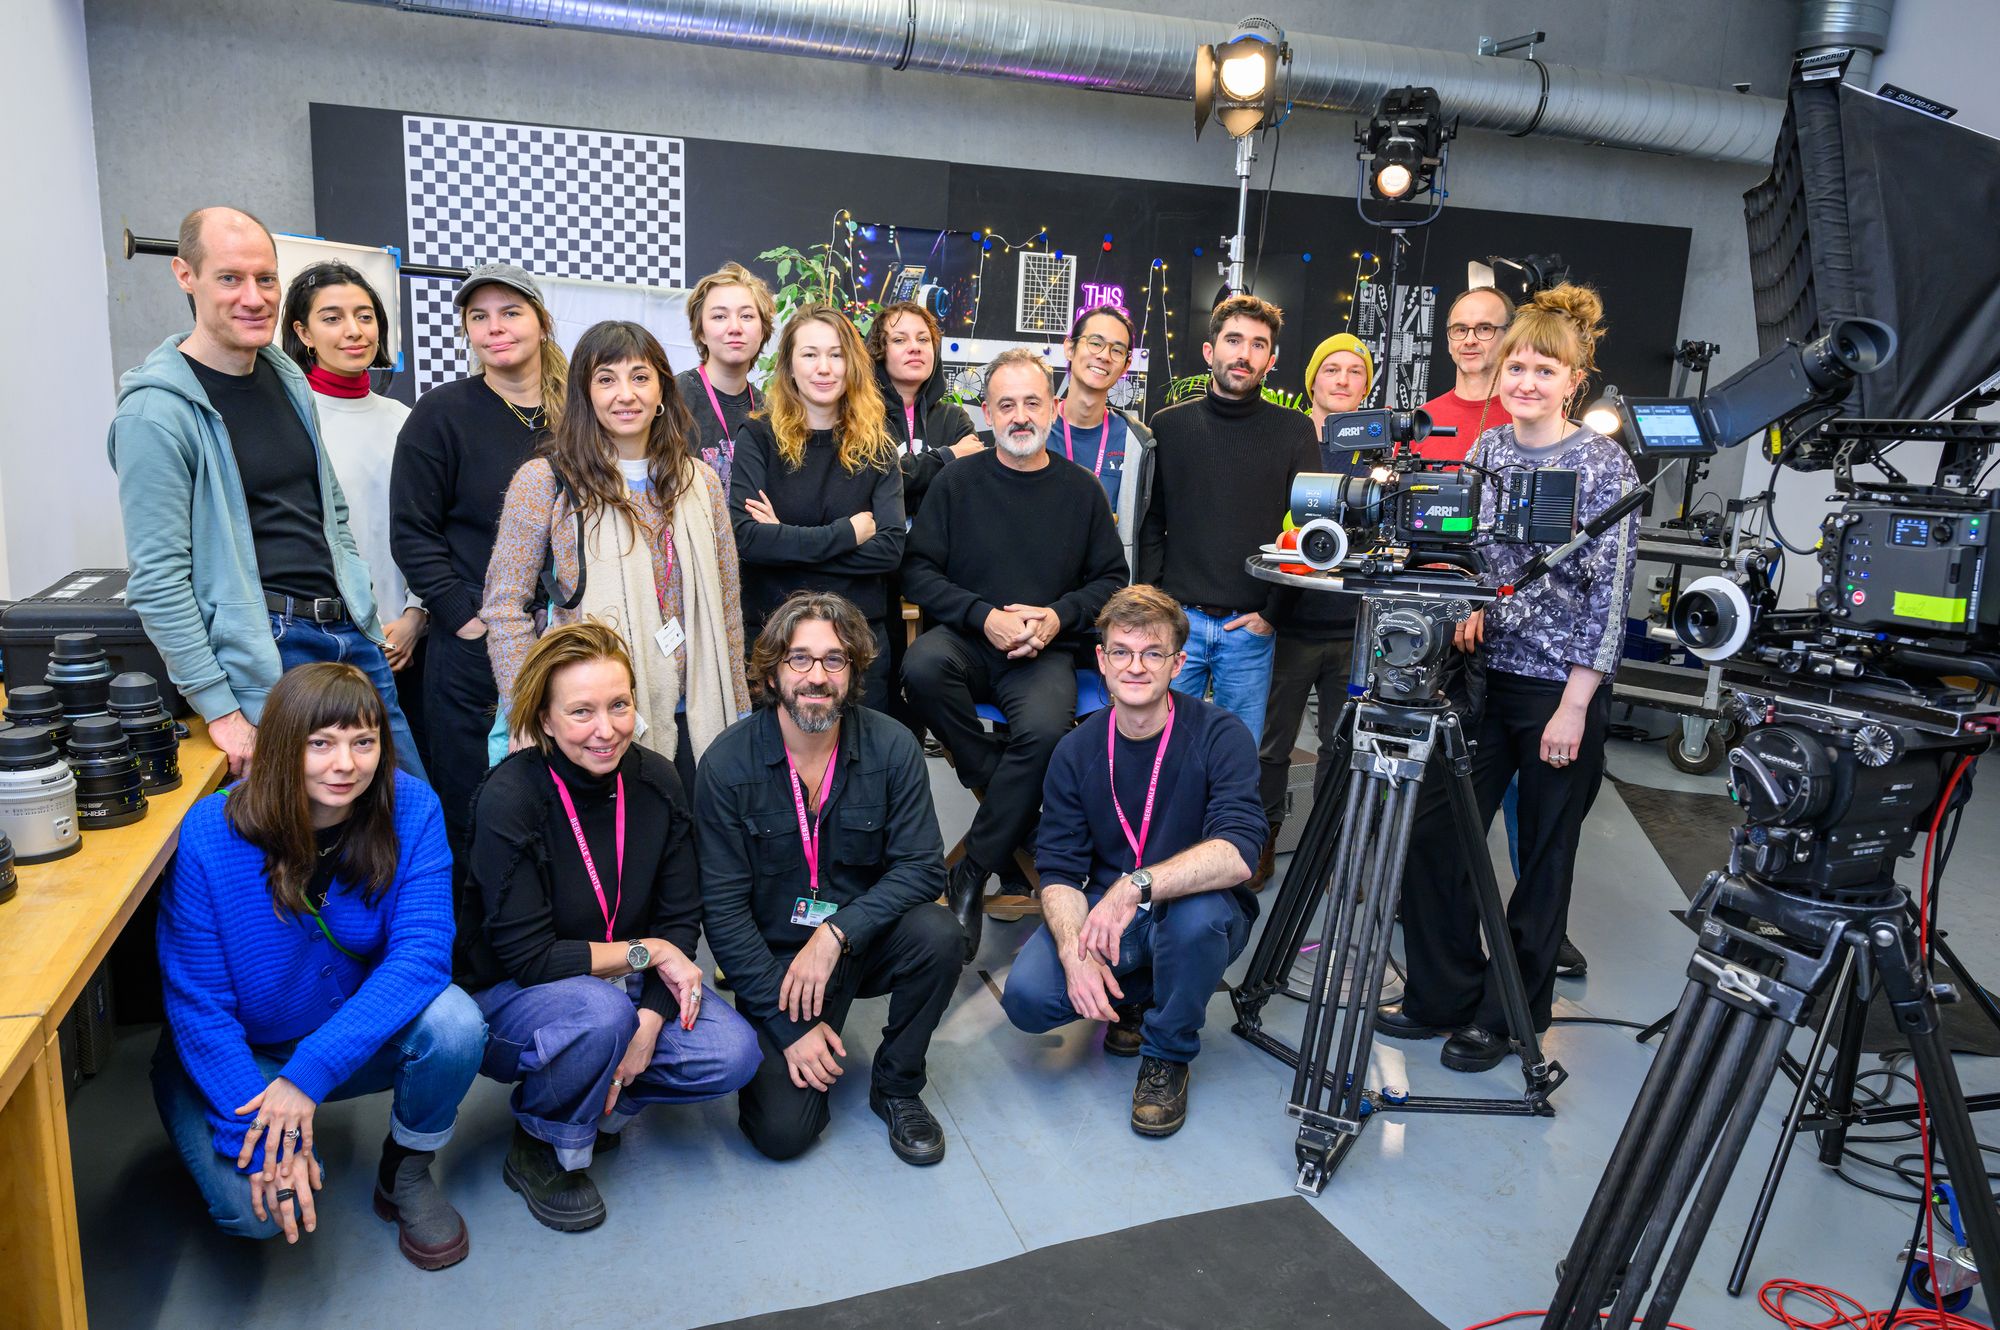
[{"x": 1472, "y": 328}]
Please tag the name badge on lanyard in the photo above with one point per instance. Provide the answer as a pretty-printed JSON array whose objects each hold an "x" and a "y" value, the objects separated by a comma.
[
  {"x": 1103, "y": 442},
  {"x": 810, "y": 911},
  {"x": 915, "y": 442},
  {"x": 715, "y": 404},
  {"x": 1138, "y": 841}
]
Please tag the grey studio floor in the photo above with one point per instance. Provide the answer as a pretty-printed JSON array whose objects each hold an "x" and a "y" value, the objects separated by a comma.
[{"x": 1469, "y": 1214}]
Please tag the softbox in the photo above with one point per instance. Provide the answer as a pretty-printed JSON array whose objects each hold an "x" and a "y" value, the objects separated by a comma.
[{"x": 1876, "y": 210}]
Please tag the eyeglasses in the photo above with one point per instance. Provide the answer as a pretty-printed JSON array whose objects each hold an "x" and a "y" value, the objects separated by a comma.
[
  {"x": 1094, "y": 344},
  {"x": 1485, "y": 332},
  {"x": 1152, "y": 657},
  {"x": 834, "y": 662}
]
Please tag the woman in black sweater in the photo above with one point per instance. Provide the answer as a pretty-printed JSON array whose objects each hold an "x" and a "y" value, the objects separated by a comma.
[
  {"x": 583, "y": 867},
  {"x": 816, "y": 494}
]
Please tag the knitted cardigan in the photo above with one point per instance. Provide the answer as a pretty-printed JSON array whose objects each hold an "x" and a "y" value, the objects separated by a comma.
[
  {"x": 238, "y": 975},
  {"x": 534, "y": 524}
]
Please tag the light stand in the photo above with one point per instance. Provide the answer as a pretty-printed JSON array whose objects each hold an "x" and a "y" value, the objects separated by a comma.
[
  {"x": 1232, "y": 271},
  {"x": 1238, "y": 82}
]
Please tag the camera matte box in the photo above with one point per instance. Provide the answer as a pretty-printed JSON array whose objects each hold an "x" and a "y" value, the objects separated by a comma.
[{"x": 89, "y": 600}]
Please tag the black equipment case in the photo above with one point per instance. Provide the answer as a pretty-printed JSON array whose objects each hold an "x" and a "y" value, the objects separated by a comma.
[{"x": 89, "y": 600}]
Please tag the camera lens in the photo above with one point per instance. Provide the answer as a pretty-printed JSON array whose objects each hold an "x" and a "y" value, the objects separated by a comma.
[
  {"x": 80, "y": 674},
  {"x": 9, "y": 884},
  {"x": 135, "y": 701},
  {"x": 37, "y": 704},
  {"x": 37, "y": 796},
  {"x": 109, "y": 789}
]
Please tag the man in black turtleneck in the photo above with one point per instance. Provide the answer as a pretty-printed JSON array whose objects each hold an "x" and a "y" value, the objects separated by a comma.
[{"x": 1220, "y": 482}]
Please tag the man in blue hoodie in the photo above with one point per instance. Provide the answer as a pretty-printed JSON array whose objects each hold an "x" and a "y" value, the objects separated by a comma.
[{"x": 235, "y": 528}]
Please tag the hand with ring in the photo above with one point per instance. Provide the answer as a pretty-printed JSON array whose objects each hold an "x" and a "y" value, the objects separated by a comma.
[{"x": 284, "y": 1120}]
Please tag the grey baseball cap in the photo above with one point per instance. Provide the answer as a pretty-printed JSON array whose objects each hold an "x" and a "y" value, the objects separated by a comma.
[{"x": 505, "y": 274}]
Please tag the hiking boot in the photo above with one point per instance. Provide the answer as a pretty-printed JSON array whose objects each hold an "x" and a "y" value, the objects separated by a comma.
[
  {"x": 1121, "y": 1038},
  {"x": 564, "y": 1199},
  {"x": 1159, "y": 1100}
]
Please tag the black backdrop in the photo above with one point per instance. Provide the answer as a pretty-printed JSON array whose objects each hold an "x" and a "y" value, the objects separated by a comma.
[{"x": 745, "y": 198}]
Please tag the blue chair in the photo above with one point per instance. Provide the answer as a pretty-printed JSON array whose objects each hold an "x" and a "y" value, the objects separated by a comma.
[{"x": 1091, "y": 696}]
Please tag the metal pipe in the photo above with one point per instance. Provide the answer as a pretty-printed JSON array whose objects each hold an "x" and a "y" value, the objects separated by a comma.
[
  {"x": 135, "y": 245},
  {"x": 1862, "y": 24},
  {"x": 1152, "y": 55}
]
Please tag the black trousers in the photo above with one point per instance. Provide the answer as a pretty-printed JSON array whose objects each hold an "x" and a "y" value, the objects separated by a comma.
[
  {"x": 459, "y": 699},
  {"x": 946, "y": 674},
  {"x": 1450, "y": 981},
  {"x": 1298, "y": 667},
  {"x": 916, "y": 963}
]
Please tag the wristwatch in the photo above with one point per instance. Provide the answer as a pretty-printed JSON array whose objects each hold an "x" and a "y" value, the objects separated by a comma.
[
  {"x": 638, "y": 957},
  {"x": 1142, "y": 878}
]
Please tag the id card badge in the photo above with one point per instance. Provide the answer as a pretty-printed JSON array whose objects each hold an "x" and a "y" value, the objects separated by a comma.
[
  {"x": 670, "y": 636},
  {"x": 810, "y": 913}
]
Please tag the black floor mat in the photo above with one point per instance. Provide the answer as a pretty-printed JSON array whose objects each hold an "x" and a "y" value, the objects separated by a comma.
[
  {"x": 1691, "y": 834},
  {"x": 1271, "y": 1263}
]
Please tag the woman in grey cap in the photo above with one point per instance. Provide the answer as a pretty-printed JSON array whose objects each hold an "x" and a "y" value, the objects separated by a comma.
[{"x": 455, "y": 455}]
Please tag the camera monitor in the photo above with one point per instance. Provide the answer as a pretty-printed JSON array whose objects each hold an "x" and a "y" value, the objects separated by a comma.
[{"x": 1667, "y": 427}]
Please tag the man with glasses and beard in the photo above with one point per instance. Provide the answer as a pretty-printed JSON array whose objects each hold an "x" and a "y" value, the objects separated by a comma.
[
  {"x": 1219, "y": 484},
  {"x": 1472, "y": 328},
  {"x": 820, "y": 869},
  {"x": 1009, "y": 612},
  {"x": 1150, "y": 825}
]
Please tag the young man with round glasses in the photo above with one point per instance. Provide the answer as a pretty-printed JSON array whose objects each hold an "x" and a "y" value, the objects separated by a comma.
[
  {"x": 1150, "y": 827},
  {"x": 1472, "y": 328},
  {"x": 821, "y": 866},
  {"x": 1108, "y": 443}
]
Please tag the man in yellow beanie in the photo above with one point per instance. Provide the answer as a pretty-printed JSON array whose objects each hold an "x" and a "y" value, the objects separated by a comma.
[{"x": 1315, "y": 629}]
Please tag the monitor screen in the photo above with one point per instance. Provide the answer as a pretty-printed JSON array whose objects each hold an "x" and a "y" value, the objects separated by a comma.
[{"x": 1667, "y": 426}]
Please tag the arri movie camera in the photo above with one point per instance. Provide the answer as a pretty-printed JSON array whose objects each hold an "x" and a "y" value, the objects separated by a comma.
[{"x": 1389, "y": 501}]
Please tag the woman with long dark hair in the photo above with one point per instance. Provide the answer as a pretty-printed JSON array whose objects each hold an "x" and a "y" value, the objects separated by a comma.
[
  {"x": 817, "y": 494},
  {"x": 1548, "y": 654},
  {"x": 638, "y": 529},
  {"x": 305, "y": 943},
  {"x": 583, "y": 869},
  {"x": 457, "y": 452},
  {"x": 337, "y": 329}
]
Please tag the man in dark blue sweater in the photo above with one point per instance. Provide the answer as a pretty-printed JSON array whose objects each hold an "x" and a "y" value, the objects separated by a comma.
[
  {"x": 1149, "y": 833},
  {"x": 1008, "y": 612}
]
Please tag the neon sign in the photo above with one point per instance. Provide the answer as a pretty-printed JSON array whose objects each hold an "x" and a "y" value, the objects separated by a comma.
[{"x": 1096, "y": 294}]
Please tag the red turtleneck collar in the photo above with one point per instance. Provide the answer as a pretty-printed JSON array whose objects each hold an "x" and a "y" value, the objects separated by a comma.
[{"x": 325, "y": 381}]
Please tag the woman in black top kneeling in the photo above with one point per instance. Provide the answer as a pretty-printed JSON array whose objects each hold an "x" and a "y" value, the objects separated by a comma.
[{"x": 583, "y": 869}]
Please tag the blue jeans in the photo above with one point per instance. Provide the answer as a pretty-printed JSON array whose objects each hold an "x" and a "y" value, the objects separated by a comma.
[
  {"x": 1235, "y": 662},
  {"x": 1169, "y": 961},
  {"x": 301, "y": 641},
  {"x": 428, "y": 1064},
  {"x": 559, "y": 1043}
]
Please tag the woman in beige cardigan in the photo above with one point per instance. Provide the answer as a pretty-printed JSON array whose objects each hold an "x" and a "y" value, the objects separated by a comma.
[{"x": 616, "y": 522}]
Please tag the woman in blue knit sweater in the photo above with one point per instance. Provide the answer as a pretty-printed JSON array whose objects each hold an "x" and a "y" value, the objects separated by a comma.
[{"x": 305, "y": 946}]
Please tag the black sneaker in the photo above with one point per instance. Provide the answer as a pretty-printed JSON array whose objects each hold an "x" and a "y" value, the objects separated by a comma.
[
  {"x": 564, "y": 1199},
  {"x": 1121, "y": 1038},
  {"x": 1473, "y": 1048},
  {"x": 1570, "y": 962},
  {"x": 1160, "y": 1099},
  {"x": 914, "y": 1134}
]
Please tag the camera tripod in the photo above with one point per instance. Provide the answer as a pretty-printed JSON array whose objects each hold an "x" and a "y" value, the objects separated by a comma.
[
  {"x": 1765, "y": 955},
  {"x": 1351, "y": 858}
]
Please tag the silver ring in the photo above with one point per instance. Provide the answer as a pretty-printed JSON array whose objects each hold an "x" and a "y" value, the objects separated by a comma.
[
  {"x": 292, "y": 1135},
  {"x": 615, "y": 1081}
]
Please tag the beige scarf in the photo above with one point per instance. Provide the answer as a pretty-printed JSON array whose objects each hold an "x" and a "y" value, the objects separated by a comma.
[{"x": 622, "y": 591}]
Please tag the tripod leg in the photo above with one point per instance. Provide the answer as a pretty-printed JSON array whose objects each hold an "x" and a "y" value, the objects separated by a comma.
[
  {"x": 1619, "y": 1236},
  {"x": 1615, "y": 1184},
  {"x": 1743, "y": 1115},
  {"x": 1853, "y": 1012},
  {"x": 1291, "y": 913},
  {"x": 1345, "y": 936},
  {"x": 1356, "y": 824},
  {"x": 1963, "y": 1159},
  {"x": 1385, "y": 881},
  {"x": 1506, "y": 965},
  {"x": 1788, "y": 1134}
]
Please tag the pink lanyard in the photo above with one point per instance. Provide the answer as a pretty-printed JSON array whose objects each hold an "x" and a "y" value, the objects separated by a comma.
[
  {"x": 609, "y": 911},
  {"x": 809, "y": 838},
  {"x": 910, "y": 439},
  {"x": 1103, "y": 441},
  {"x": 715, "y": 405},
  {"x": 1138, "y": 843}
]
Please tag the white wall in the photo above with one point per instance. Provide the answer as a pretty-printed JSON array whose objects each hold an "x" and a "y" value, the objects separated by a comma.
[
  {"x": 58, "y": 501},
  {"x": 1944, "y": 50}
]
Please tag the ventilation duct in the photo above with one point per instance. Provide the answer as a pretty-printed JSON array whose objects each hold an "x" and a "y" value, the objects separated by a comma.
[
  {"x": 1149, "y": 55},
  {"x": 1826, "y": 25}
]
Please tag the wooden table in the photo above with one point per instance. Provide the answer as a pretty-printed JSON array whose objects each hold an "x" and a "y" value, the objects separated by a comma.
[{"x": 53, "y": 936}]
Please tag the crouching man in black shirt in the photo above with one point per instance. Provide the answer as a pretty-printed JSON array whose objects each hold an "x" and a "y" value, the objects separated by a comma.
[
  {"x": 820, "y": 868},
  {"x": 1013, "y": 555}
]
